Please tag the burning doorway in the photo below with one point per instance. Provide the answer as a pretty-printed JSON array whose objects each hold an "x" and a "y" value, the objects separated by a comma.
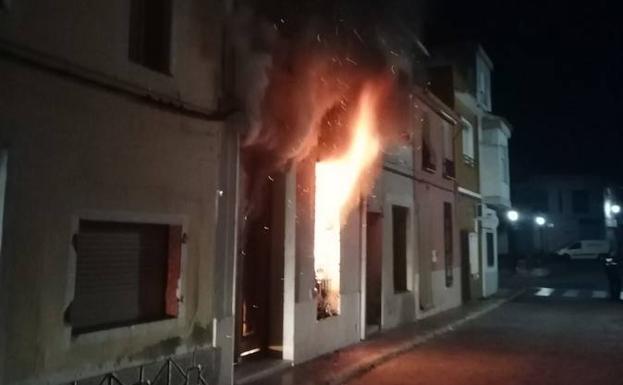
[{"x": 260, "y": 306}]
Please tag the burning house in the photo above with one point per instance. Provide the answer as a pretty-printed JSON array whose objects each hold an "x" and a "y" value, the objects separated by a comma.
[
  {"x": 348, "y": 198},
  {"x": 153, "y": 230}
]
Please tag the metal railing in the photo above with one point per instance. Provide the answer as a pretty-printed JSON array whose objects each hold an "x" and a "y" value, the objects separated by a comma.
[{"x": 165, "y": 376}]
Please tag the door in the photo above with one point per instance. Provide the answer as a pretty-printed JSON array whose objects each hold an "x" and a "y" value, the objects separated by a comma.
[
  {"x": 260, "y": 295},
  {"x": 490, "y": 262},
  {"x": 374, "y": 258}
]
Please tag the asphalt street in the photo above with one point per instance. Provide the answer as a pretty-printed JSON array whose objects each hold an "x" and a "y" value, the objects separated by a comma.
[{"x": 561, "y": 331}]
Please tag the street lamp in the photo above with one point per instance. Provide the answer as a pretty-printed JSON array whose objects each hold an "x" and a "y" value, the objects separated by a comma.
[
  {"x": 512, "y": 215},
  {"x": 539, "y": 220},
  {"x": 615, "y": 209}
]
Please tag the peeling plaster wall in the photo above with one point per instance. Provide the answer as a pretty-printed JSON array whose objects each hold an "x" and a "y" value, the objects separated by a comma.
[{"x": 74, "y": 150}]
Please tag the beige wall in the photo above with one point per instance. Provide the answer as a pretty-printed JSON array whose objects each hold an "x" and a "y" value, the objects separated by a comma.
[
  {"x": 79, "y": 152},
  {"x": 432, "y": 189},
  {"x": 94, "y": 36}
]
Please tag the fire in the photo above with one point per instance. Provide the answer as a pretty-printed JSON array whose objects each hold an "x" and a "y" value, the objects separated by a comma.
[{"x": 338, "y": 183}]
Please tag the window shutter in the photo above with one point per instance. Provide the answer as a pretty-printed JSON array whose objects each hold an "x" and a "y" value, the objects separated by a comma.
[
  {"x": 173, "y": 270},
  {"x": 121, "y": 274}
]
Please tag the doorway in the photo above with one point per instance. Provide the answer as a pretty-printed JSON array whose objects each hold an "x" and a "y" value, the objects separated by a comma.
[
  {"x": 259, "y": 316},
  {"x": 374, "y": 259}
]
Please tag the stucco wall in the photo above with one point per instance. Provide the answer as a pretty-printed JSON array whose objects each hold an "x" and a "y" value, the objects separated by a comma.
[
  {"x": 77, "y": 151},
  {"x": 95, "y": 36},
  {"x": 398, "y": 307}
]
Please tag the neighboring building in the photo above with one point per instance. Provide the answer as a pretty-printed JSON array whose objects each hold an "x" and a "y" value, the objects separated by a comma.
[
  {"x": 461, "y": 76},
  {"x": 495, "y": 179},
  {"x": 439, "y": 273},
  {"x": 573, "y": 206},
  {"x": 116, "y": 154},
  {"x": 412, "y": 264}
]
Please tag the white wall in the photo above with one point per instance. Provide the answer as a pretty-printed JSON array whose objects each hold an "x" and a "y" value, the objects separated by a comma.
[{"x": 78, "y": 151}]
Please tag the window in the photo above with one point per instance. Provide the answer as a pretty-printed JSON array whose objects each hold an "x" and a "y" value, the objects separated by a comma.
[
  {"x": 448, "y": 234},
  {"x": 150, "y": 34},
  {"x": 399, "y": 232},
  {"x": 490, "y": 249},
  {"x": 3, "y": 182},
  {"x": 505, "y": 171},
  {"x": 538, "y": 200},
  {"x": 580, "y": 201},
  {"x": 448, "y": 150},
  {"x": 126, "y": 273},
  {"x": 428, "y": 154},
  {"x": 468, "y": 141}
]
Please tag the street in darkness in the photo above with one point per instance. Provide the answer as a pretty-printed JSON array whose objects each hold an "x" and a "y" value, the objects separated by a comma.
[{"x": 556, "y": 335}]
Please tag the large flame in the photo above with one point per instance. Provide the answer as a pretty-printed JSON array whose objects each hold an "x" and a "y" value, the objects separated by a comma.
[{"x": 338, "y": 184}]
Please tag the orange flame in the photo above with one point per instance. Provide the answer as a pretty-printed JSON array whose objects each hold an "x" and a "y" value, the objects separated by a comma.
[{"x": 338, "y": 183}]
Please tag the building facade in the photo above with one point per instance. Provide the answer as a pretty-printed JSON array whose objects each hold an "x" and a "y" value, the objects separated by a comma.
[
  {"x": 116, "y": 156},
  {"x": 572, "y": 205},
  {"x": 461, "y": 76}
]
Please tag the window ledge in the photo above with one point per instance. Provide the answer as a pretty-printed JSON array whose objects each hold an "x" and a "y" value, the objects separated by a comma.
[{"x": 157, "y": 329}]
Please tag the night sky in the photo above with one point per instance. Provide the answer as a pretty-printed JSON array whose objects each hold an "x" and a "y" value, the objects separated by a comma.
[{"x": 557, "y": 77}]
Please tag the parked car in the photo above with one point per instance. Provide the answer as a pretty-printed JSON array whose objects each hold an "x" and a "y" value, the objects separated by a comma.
[{"x": 585, "y": 249}]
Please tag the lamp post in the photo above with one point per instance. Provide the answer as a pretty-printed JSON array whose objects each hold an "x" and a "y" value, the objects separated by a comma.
[{"x": 540, "y": 221}]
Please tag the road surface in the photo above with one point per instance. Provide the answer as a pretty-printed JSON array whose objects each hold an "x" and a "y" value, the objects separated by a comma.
[{"x": 566, "y": 333}]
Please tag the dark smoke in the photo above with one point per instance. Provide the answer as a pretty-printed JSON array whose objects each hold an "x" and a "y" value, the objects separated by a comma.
[{"x": 300, "y": 67}]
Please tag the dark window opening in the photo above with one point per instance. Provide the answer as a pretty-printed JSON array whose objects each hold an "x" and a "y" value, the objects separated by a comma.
[
  {"x": 150, "y": 34},
  {"x": 399, "y": 231},
  {"x": 428, "y": 155},
  {"x": 126, "y": 273},
  {"x": 538, "y": 200},
  {"x": 580, "y": 201},
  {"x": 448, "y": 151},
  {"x": 490, "y": 250},
  {"x": 448, "y": 232}
]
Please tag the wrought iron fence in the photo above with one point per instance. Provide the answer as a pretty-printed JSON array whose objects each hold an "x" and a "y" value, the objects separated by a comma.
[{"x": 165, "y": 376}]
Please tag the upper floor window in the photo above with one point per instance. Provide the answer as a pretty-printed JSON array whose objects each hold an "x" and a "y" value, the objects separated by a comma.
[
  {"x": 505, "y": 170},
  {"x": 483, "y": 85},
  {"x": 150, "y": 34},
  {"x": 580, "y": 201},
  {"x": 468, "y": 135},
  {"x": 448, "y": 150},
  {"x": 428, "y": 153}
]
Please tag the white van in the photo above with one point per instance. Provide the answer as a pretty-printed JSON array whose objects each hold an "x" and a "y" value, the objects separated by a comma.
[{"x": 590, "y": 249}]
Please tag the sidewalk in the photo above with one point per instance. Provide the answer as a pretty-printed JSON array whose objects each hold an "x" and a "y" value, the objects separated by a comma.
[{"x": 351, "y": 362}]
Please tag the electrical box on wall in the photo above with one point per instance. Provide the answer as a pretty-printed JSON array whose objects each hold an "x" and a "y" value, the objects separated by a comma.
[{"x": 474, "y": 266}]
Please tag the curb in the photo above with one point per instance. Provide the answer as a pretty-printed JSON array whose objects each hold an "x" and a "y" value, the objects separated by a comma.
[{"x": 365, "y": 366}]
